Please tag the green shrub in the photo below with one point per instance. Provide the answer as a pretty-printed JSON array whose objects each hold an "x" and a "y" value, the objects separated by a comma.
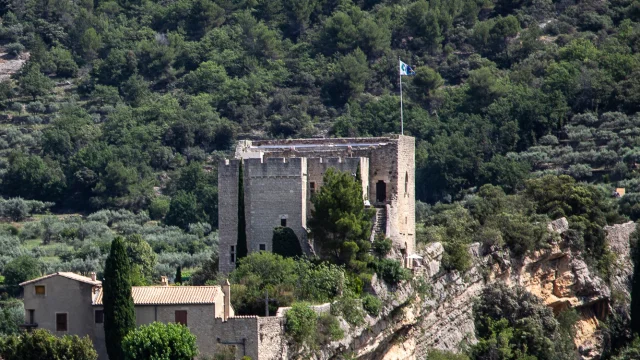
[
  {"x": 434, "y": 354},
  {"x": 381, "y": 246},
  {"x": 159, "y": 208},
  {"x": 456, "y": 256},
  {"x": 371, "y": 304},
  {"x": 391, "y": 271},
  {"x": 328, "y": 329},
  {"x": 160, "y": 341},
  {"x": 285, "y": 242},
  {"x": 14, "y": 49},
  {"x": 300, "y": 322},
  {"x": 40, "y": 344},
  {"x": 350, "y": 308}
]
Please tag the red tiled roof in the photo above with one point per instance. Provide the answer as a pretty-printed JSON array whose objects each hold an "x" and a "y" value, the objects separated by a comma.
[
  {"x": 68, "y": 275},
  {"x": 169, "y": 295}
]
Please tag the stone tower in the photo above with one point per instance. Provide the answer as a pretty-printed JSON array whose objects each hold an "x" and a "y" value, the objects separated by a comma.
[{"x": 280, "y": 176}]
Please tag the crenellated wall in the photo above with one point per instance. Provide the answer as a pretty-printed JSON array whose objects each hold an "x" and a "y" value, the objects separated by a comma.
[
  {"x": 281, "y": 175},
  {"x": 275, "y": 190}
]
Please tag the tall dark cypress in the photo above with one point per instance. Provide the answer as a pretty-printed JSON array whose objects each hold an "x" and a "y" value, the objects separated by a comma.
[
  {"x": 635, "y": 285},
  {"x": 178, "y": 279},
  {"x": 242, "y": 250},
  {"x": 119, "y": 313}
]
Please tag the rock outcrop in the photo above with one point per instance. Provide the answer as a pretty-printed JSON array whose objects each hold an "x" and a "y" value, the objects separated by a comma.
[{"x": 435, "y": 310}]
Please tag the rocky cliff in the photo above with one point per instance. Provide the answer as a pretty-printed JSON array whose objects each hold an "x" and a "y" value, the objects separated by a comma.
[{"x": 435, "y": 309}]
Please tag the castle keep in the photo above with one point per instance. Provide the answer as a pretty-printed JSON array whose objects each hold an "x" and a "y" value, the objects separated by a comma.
[{"x": 281, "y": 176}]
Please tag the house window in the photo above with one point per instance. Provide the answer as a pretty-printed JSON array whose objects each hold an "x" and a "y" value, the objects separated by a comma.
[
  {"x": 312, "y": 187},
  {"x": 181, "y": 317},
  {"x": 263, "y": 247},
  {"x": 283, "y": 222},
  {"x": 40, "y": 290},
  {"x": 232, "y": 259},
  {"x": 99, "y": 316},
  {"x": 32, "y": 316},
  {"x": 61, "y": 322}
]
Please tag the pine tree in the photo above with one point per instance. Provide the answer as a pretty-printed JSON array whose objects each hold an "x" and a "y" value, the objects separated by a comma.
[
  {"x": 119, "y": 313},
  {"x": 242, "y": 250}
]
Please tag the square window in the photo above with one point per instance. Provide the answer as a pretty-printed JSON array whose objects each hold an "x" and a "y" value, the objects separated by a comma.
[
  {"x": 283, "y": 222},
  {"x": 263, "y": 247},
  {"x": 99, "y": 316},
  {"x": 40, "y": 290},
  {"x": 61, "y": 322},
  {"x": 181, "y": 317}
]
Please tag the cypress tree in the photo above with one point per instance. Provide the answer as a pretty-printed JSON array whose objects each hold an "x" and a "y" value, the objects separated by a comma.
[
  {"x": 635, "y": 284},
  {"x": 178, "y": 279},
  {"x": 242, "y": 250},
  {"x": 119, "y": 313}
]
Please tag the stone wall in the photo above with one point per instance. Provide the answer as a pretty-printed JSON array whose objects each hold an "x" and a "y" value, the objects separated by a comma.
[
  {"x": 63, "y": 295},
  {"x": 228, "y": 212},
  {"x": 275, "y": 190},
  {"x": 271, "y": 338},
  {"x": 277, "y": 179},
  {"x": 241, "y": 331}
]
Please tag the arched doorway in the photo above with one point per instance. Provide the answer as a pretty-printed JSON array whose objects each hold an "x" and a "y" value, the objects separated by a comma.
[{"x": 381, "y": 191}]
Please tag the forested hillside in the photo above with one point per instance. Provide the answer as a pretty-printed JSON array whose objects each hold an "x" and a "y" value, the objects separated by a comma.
[
  {"x": 118, "y": 97},
  {"x": 115, "y": 113}
]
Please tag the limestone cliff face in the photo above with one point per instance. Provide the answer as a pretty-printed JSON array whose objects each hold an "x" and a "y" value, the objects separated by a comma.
[{"x": 416, "y": 320}]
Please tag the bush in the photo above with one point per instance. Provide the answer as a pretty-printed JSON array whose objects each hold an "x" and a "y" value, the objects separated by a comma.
[
  {"x": 381, "y": 246},
  {"x": 285, "y": 242},
  {"x": 328, "y": 329},
  {"x": 159, "y": 208},
  {"x": 11, "y": 317},
  {"x": 391, "y": 271},
  {"x": 456, "y": 256},
  {"x": 350, "y": 308},
  {"x": 14, "y": 49},
  {"x": 371, "y": 304},
  {"x": 16, "y": 107},
  {"x": 300, "y": 322},
  {"x": 160, "y": 341},
  {"x": 20, "y": 269},
  {"x": 36, "y": 107},
  {"x": 40, "y": 344}
]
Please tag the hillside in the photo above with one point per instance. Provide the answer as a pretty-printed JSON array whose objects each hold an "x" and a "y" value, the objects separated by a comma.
[{"x": 115, "y": 113}]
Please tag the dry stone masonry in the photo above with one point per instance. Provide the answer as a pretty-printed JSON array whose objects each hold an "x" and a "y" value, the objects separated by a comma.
[{"x": 280, "y": 176}]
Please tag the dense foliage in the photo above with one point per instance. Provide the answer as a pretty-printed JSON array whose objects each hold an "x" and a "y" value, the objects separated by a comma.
[
  {"x": 285, "y": 242},
  {"x": 119, "y": 313},
  {"x": 40, "y": 344},
  {"x": 512, "y": 323},
  {"x": 160, "y": 341}
]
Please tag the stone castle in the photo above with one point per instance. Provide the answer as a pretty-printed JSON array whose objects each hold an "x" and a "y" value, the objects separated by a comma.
[{"x": 281, "y": 176}]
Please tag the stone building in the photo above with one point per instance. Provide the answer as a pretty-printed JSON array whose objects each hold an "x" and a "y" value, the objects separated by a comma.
[
  {"x": 281, "y": 176},
  {"x": 69, "y": 304}
]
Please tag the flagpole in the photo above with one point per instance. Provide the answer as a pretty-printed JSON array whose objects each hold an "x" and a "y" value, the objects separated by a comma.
[{"x": 401, "y": 113}]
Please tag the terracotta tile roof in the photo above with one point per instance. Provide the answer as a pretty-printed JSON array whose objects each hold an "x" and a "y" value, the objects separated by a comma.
[
  {"x": 68, "y": 275},
  {"x": 169, "y": 295}
]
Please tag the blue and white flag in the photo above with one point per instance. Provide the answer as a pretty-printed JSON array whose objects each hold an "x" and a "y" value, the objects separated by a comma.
[{"x": 406, "y": 69}]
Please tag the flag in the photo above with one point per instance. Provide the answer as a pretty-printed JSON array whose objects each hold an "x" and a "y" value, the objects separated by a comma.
[{"x": 406, "y": 69}]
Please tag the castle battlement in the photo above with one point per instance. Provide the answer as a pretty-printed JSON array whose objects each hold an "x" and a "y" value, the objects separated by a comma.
[{"x": 281, "y": 176}]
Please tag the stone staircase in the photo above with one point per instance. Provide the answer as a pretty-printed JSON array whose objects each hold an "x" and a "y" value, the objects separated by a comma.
[{"x": 379, "y": 223}]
